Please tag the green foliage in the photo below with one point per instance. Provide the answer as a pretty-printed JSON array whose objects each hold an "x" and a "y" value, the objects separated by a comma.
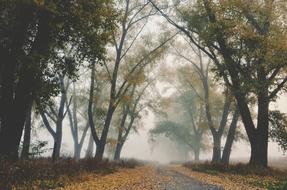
[
  {"x": 49, "y": 39},
  {"x": 278, "y": 129},
  {"x": 251, "y": 34},
  {"x": 279, "y": 186},
  {"x": 38, "y": 148}
]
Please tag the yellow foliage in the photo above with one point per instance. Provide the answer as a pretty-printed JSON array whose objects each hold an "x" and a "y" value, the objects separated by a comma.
[{"x": 140, "y": 178}]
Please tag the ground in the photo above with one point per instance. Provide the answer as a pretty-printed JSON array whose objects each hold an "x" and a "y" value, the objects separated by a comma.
[{"x": 155, "y": 177}]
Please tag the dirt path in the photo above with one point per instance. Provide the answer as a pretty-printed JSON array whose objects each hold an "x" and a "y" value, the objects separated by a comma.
[
  {"x": 141, "y": 178},
  {"x": 180, "y": 181}
]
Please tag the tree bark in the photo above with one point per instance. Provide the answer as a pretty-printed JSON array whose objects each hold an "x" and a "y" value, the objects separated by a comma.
[
  {"x": 27, "y": 134},
  {"x": 90, "y": 148},
  {"x": 196, "y": 152},
  {"x": 216, "y": 154},
  {"x": 230, "y": 138},
  {"x": 101, "y": 145},
  {"x": 57, "y": 143},
  {"x": 259, "y": 147},
  {"x": 118, "y": 151}
]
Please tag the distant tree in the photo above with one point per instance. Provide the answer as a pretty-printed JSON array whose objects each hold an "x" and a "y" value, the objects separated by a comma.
[
  {"x": 217, "y": 113},
  {"x": 74, "y": 111},
  {"x": 136, "y": 102},
  {"x": 183, "y": 121}
]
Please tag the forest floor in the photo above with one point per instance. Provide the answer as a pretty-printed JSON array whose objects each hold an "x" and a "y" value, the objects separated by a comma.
[
  {"x": 133, "y": 175},
  {"x": 149, "y": 177},
  {"x": 170, "y": 177}
]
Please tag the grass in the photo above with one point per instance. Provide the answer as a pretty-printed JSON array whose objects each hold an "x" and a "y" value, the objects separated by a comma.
[
  {"x": 44, "y": 174},
  {"x": 269, "y": 178}
]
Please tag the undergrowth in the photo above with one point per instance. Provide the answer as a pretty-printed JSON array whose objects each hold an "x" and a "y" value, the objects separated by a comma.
[{"x": 44, "y": 174}]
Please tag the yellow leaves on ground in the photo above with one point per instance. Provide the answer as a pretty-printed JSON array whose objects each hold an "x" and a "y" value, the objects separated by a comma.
[
  {"x": 227, "y": 181},
  {"x": 140, "y": 178}
]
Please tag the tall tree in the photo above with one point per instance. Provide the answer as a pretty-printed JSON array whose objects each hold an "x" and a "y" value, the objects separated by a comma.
[
  {"x": 132, "y": 23},
  {"x": 56, "y": 114},
  {"x": 27, "y": 133},
  {"x": 75, "y": 125},
  {"x": 34, "y": 36},
  {"x": 246, "y": 41}
]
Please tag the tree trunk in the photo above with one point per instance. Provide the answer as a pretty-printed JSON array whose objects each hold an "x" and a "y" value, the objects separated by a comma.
[
  {"x": 118, "y": 151},
  {"x": 259, "y": 147},
  {"x": 216, "y": 154},
  {"x": 259, "y": 152},
  {"x": 13, "y": 117},
  {"x": 27, "y": 134},
  {"x": 230, "y": 138},
  {"x": 77, "y": 152},
  {"x": 101, "y": 145},
  {"x": 196, "y": 154},
  {"x": 57, "y": 142},
  {"x": 90, "y": 149},
  {"x": 100, "y": 151}
]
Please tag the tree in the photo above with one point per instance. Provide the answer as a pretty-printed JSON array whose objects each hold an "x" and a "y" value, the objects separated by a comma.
[
  {"x": 245, "y": 40},
  {"x": 75, "y": 124},
  {"x": 27, "y": 133},
  {"x": 183, "y": 122},
  {"x": 218, "y": 111},
  {"x": 133, "y": 105},
  {"x": 132, "y": 22},
  {"x": 34, "y": 38},
  {"x": 56, "y": 114}
]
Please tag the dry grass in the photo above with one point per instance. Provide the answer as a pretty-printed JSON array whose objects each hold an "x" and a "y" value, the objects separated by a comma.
[
  {"x": 240, "y": 175},
  {"x": 45, "y": 174}
]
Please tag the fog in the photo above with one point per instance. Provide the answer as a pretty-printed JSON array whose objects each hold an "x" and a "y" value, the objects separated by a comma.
[{"x": 138, "y": 144}]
